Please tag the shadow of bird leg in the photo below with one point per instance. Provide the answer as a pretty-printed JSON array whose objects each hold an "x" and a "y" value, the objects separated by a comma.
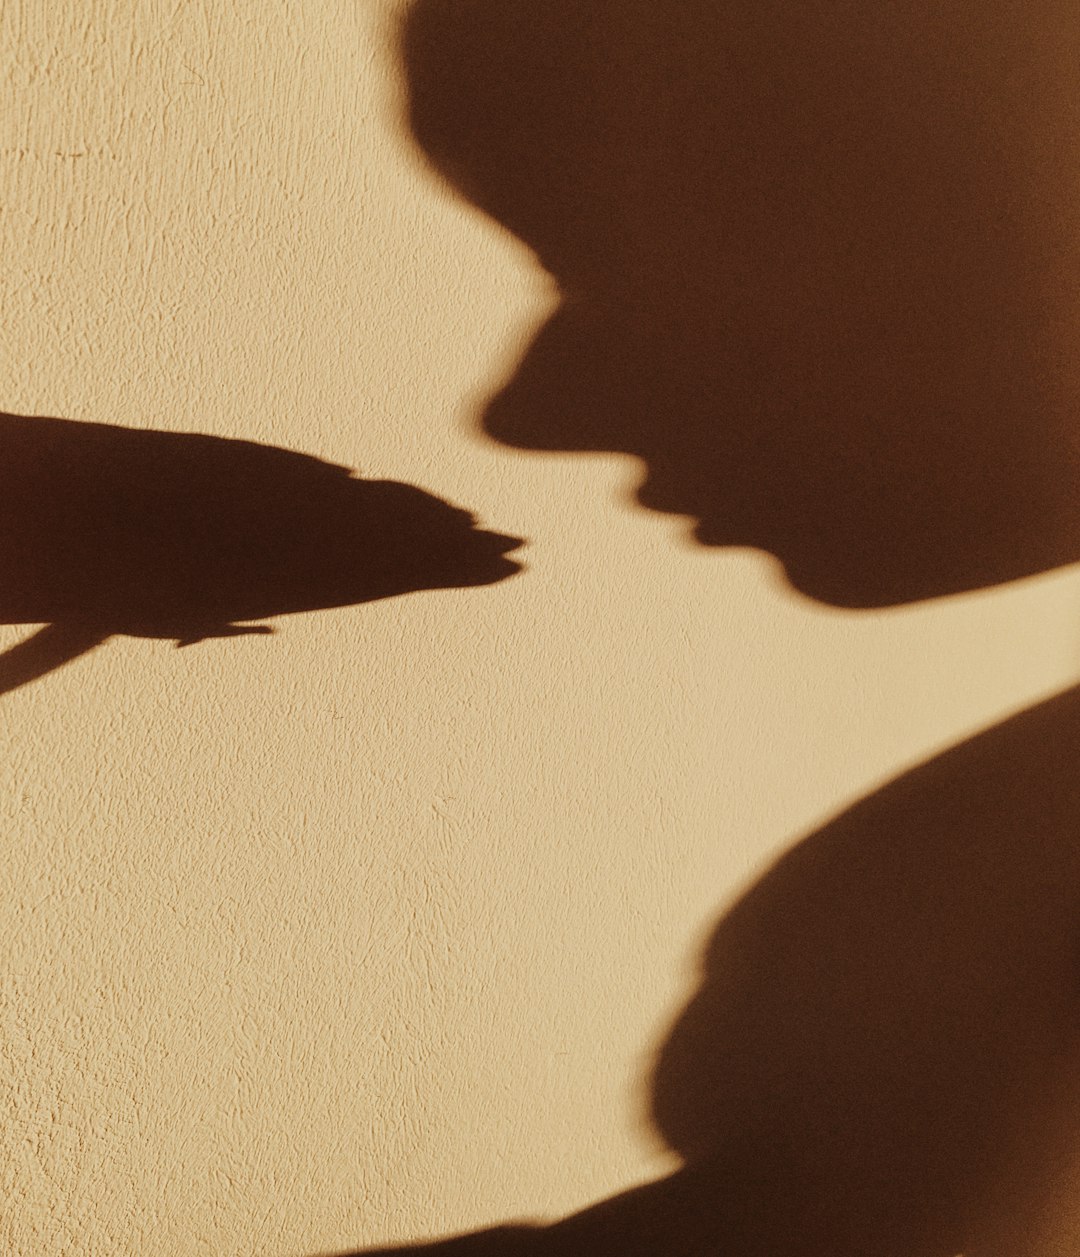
[{"x": 46, "y": 650}]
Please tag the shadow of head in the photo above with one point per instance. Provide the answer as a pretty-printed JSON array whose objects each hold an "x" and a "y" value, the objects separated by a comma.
[
  {"x": 107, "y": 530},
  {"x": 818, "y": 262}
]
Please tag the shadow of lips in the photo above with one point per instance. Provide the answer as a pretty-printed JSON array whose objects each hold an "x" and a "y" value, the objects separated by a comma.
[{"x": 107, "y": 530}]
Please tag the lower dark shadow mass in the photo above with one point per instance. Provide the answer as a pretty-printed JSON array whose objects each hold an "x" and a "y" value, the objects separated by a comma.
[
  {"x": 107, "y": 530},
  {"x": 883, "y": 1054},
  {"x": 817, "y": 262}
]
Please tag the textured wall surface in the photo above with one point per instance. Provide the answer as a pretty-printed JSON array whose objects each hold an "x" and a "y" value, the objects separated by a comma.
[{"x": 367, "y": 929}]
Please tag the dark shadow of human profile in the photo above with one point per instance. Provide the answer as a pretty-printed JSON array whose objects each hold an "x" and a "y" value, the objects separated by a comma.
[
  {"x": 818, "y": 265},
  {"x": 107, "y": 530}
]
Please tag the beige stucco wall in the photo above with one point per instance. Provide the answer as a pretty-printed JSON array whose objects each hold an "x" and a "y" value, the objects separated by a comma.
[{"x": 367, "y": 930}]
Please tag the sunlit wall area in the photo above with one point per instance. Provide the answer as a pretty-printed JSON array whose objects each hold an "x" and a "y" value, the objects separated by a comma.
[{"x": 367, "y": 928}]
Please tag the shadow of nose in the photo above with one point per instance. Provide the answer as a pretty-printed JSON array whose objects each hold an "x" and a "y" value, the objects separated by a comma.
[
  {"x": 584, "y": 384},
  {"x": 554, "y": 392}
]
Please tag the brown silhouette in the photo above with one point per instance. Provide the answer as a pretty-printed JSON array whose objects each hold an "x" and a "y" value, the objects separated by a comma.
[
  {"x": 818, "y": 265},
  {"x": 882, "y": 1054},
  {"x": 107, "y": 530}
]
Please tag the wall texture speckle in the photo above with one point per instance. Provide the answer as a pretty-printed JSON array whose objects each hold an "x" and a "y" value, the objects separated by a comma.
[{"x": 348, "y": 934}]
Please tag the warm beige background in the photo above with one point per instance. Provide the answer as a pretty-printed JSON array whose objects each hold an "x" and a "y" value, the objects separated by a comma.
[{"x": 366, "y": 930}]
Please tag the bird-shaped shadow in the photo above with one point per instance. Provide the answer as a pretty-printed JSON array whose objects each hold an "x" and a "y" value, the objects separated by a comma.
[{"x": 108, "y": 530}]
